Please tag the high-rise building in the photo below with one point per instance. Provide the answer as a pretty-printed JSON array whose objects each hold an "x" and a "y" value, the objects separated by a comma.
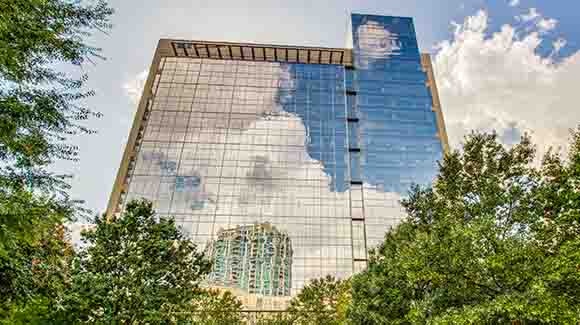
[
  {"x": 256, "y": 259},
  {"x": 320, "y": 143}
]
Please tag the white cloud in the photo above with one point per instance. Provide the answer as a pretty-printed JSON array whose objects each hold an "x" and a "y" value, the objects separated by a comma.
[
  {"x": 514, "y": 3},
  {"x": 542, "y": 24},
  {"x": 546, "y": 24},
  {"x": 134, "y": 87},
  {"x": 531, "y": 15},
  {"x": 559, "y": 44},
  {"x": 499, "y": 81}
]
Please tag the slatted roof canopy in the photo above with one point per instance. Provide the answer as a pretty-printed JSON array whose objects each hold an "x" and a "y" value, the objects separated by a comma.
[{"x": 260, "y": 52}]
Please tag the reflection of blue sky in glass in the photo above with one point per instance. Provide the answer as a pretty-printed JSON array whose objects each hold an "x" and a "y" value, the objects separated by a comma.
[
  {"x": 316, "y": 95},
  {"x": 397, "y": 131}
]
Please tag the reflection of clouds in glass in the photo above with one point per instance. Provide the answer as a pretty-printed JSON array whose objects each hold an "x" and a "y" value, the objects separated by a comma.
[
  {"x": 375, "y": 41},
  {"x": 283, "y": 185},
  {"x": 241, "y": 158},
  {"x": 261, "y": 179}
]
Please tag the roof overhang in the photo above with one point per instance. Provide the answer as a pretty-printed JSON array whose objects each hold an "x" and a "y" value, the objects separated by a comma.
[{"x": 255, "y": 52}]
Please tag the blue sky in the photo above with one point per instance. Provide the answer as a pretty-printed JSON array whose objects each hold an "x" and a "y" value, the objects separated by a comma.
[{"x": 497, "y": 74}]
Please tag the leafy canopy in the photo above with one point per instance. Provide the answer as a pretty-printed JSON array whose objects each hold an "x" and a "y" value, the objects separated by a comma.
[
  {"x": 34, "y": 258},
  {"x": 322, "y": 301},
  {"x": 495, "y": 240},
  {"x": 41, "y": 106},
  {"x": 140, "y": 268}
]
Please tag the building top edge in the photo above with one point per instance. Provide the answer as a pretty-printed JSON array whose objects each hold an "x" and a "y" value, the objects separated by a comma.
[
  {"x": 380, "y": 16},
  {"x": 251, "y": 44},
  {"x": 254, "y": 52}
]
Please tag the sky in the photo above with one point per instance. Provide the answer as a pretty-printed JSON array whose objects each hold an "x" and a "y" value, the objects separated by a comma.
[{"x": 505, "y": 65}]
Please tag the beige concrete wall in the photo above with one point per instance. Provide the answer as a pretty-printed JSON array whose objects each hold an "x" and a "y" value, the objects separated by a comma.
[
  {"x": 441, "y": 131},
  {"x": 120, "y": 185}
]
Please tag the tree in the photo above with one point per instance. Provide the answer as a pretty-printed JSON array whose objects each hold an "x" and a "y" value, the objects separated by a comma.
[
  {"x": 40, "y": 108},
  {"x": 322, "y": 301},
  {"x": 495, "y": 240},
  {"x": 34, "y": 257},
  {"x": 39, "y": 105},
  {"x": 139, "y": 269},
  {"x": 212, "y": 307}
]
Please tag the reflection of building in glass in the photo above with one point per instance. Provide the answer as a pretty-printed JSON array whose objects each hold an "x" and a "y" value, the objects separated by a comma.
[
  {"x": 256, "y": 259},
  {"x": 321, "y": 143}
]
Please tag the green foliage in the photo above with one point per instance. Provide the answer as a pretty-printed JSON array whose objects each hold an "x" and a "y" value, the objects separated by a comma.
[
  {"x": 40, "y": 106},
  {"x": 494, "y": 241},
  {"x": 134, "y": 269},
  {"x": 34, "y": 258},
  {"x": 212, "y": 307},
  {"x": 271, "y": 318},
  {"x": 322, "y": 301}
]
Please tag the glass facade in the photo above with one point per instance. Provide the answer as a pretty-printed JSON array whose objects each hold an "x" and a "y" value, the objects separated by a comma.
[
  {"x": 395, "y": 123},
  {"x": 285, "y": 172}
]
